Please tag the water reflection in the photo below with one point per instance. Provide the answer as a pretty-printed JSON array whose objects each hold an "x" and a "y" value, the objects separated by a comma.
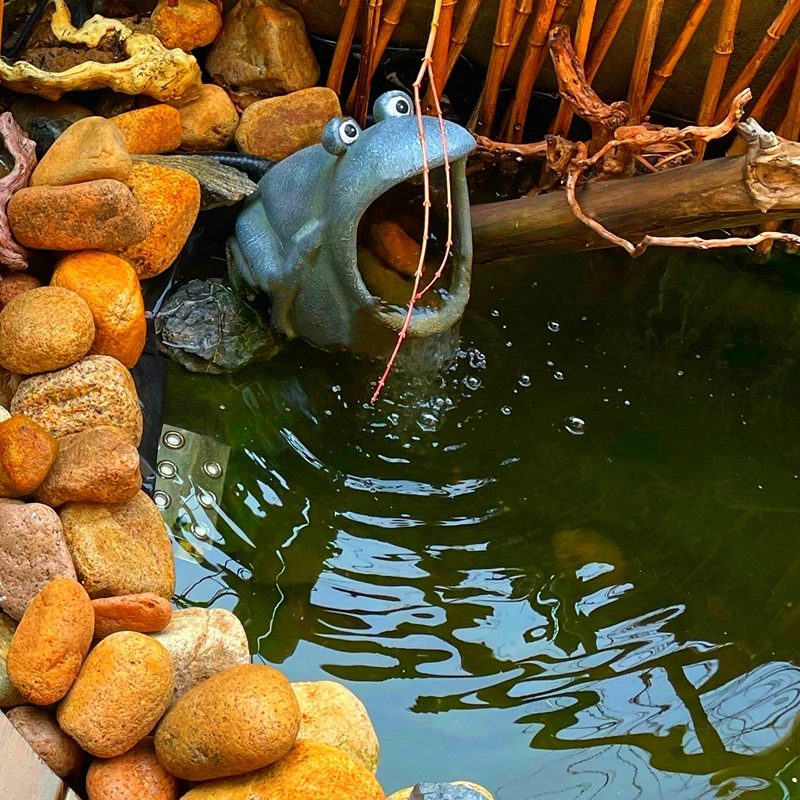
[{"x": 552, "y": 615}]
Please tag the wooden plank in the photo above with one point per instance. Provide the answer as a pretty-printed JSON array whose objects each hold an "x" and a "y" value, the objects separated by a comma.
[{"x": 23, "y": 775}]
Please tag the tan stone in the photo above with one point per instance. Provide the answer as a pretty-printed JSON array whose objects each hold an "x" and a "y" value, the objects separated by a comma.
[
  {"x": 210, "y": 121},
  {"x": 44, "y": 329},
  {"x": 279, "y": 126},
  {"x": 188, "y": 24},
  {"x": 98, "y": 465},
  {"x": 39, "y": 729},
  {"x": 15, "y": 284},
  {"x": 32, "y": 554},
  {"x": 154, "y": 129},
  {"x": 170, "y": 200},
  {"x": 121, "y": 692},
  {"x": 331, "y": 713},
  {"x": 9, "y": 696},
  {"x": 96, "y": 391},
  {"x": 135, "y": 775},
  {"x": 50, "y": 642},
  {"x": 263, "y": 48},
  {"x": 203, "y": 642},
  {"x": 311, "y": 771},
  {"x": 96, "y": 215},
  {"x": 27, "y": 452},
  {"x": 145, "y": 613},
  {"x": 89, "y": 150},
  {"x": 240, "y": 720},
  {"x": 111, "y": 289},
  {"x": 121, "y": 548}
]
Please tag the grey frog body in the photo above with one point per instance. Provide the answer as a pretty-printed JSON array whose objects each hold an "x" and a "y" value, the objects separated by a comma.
[{"x": 296, "y": 237}]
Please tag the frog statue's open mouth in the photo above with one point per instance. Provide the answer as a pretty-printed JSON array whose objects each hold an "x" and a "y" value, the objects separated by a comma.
[{"x": 333, "y": 234}]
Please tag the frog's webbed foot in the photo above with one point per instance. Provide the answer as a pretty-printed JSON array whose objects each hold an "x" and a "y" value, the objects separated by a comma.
[{"x": 281, "y": 315}]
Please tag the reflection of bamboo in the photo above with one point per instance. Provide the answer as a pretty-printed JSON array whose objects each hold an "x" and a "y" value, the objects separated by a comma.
[
  {"x": 469, "y": 10},
  {"x": 775, "y": 33},
  {"x": 343, "y": 45},
  {"x": 583, "y": 30},
  {"x": 368, "y": 44},
  {"x": 665, "y": 69},
  {"x": 616, "y": 16},
  {"x": 723, "y": 49},
  {"x": 391, "y": 19},
  {"x": 644, "y": 56},
  {"x": 483, "y": 117},
  {"x": 548, "y": 13},
  {"x": 439, "y": 56}
]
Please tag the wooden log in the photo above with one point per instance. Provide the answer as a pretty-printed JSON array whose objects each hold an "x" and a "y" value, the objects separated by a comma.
[{"x": 705, "y": 196}]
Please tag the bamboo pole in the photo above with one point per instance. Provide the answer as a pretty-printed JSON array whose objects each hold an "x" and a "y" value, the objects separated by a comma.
[
  {"x": 549, "y": 13},
  {"x": 391, "y": 19},
  {"x": 483, "y": 117},
  {"x": 583, "y": 31},
  {"x": 605, "y": 37},
  {"x": 644, "y": 57},
  {"x": 770, "y": 41},
  {"x": 2, "y": 8},
  {"x": 368, "y": 44},
  {"x": 441, "y": 46},
  {"x": 343, "y": 45},
  {"x": 469, "y": 10},
  {"x": 666, "y": 68},
  {"x": 726, "y": 34}
]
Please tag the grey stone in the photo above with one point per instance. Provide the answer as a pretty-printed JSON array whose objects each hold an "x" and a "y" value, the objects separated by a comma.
[{"x": 444, "y": 791}]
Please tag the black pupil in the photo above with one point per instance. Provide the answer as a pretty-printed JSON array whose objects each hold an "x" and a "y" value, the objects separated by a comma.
[
  {"x": 402, "y": 106},
  {"x": 350, "y": 130}
]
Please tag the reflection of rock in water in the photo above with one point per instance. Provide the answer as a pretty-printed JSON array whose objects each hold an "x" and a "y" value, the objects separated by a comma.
[{"x": 588, "y": 555}]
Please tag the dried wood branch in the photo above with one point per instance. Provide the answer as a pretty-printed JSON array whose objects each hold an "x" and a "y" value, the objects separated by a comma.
[
  {"x": 23, "y": 151},
  {"x": 500, "y": 151}
]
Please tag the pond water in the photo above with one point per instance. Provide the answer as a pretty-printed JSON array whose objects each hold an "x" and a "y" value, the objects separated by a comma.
[{"x": 564, "y": 566}]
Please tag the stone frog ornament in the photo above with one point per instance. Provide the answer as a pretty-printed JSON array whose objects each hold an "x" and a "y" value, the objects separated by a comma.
[{"x": 296, "y": 238}]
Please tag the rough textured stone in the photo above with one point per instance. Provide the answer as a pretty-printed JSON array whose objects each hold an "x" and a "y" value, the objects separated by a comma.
[
  {"x": 98, "y": 390},
  {"x": 154, "y": 129},
  {"x": 145, "y": 613},
  {"x": 331, "y": 713},
  {"x": 279, "y": 126},
  {"x": 98, "y": 465},
  {"x": 15, "y": 284},
  {"x": 9, "y": 383},
  {"x": 96, "y": 215},
  {"x": 203, "y": 642},
  {"x": 311, "y": 770},
  {"x": 111, "y": 289},
  {"x": 9, "y": 696},
  {"x": 43, "y": 330},
  {"x": 32, "y": 554},
  {"x": 242, "y": 719},
  {"x": 40, "y": 730},
  {"x": 121, "y": 692},
  {"x": 89, "y": 150},
  {"x": 27, "y": 452},
  {"x": 135, "y": 775},
  {"x": 51, "y": 641},
  {"x": 171, "y": 201},
  {"x": 190, "y": 24},
  {"x": 263, "y": 48},
  {"x": 121, "y": 548},
  {"x": 210, "y": 121}
]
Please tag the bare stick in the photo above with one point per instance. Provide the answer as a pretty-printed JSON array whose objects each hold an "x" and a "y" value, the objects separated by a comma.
[
  {"x": 606, "y": 35},
  {"x": 469, "y": 10},
  {"x": 440, "y": 49},
  {"x": 371, "y": 25},
  {"x": 500, "y": 151},
  {"x": 583, "y": 30},
  {"x": 770, "y": 41},
  {"x": 644, "y": 57},
  {"x": 723, "y": 50},
  {"x": 343, "y": 45},
  {"x": 666, "y": 68}
]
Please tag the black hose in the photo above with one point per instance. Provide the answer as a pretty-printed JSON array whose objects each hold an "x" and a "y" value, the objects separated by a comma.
[{"x": 27, "y": 30}]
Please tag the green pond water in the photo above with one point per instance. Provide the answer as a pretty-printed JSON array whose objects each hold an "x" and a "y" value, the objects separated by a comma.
[{"x": 567, "y": 565}]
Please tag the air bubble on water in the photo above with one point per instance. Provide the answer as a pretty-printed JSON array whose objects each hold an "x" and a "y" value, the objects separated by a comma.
[
  {"x": 575, "y": 425},
  {"x": 477, "y": 360},
  {"x": 428, "y": 421},
  {"x": 524, "y": 381},
  {"x": 336, "y": 388},
  {"x": 550, "y": 363},
  {"x": 627, "y": 402},
  {"x": 472, "y": 382},
  {"x": 558, "y": 375},
  {"x": 553, "y": 326},
  {"x": 680, "y": 373},
  {"x": 393, "y": 419},
  {"x": 506, "y": 410},
  {"x": 495, "y": 312}
]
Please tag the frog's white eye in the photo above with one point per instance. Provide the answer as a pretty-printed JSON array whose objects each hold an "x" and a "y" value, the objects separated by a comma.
[
  {"x": 339, "y": 134},
  {"x": 393, "y": 104}
]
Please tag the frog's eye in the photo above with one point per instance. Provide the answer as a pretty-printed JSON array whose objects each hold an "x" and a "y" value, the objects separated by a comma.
[
  {"x": 393, "y": 104},
  {"x": 339, "y": 134}
]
